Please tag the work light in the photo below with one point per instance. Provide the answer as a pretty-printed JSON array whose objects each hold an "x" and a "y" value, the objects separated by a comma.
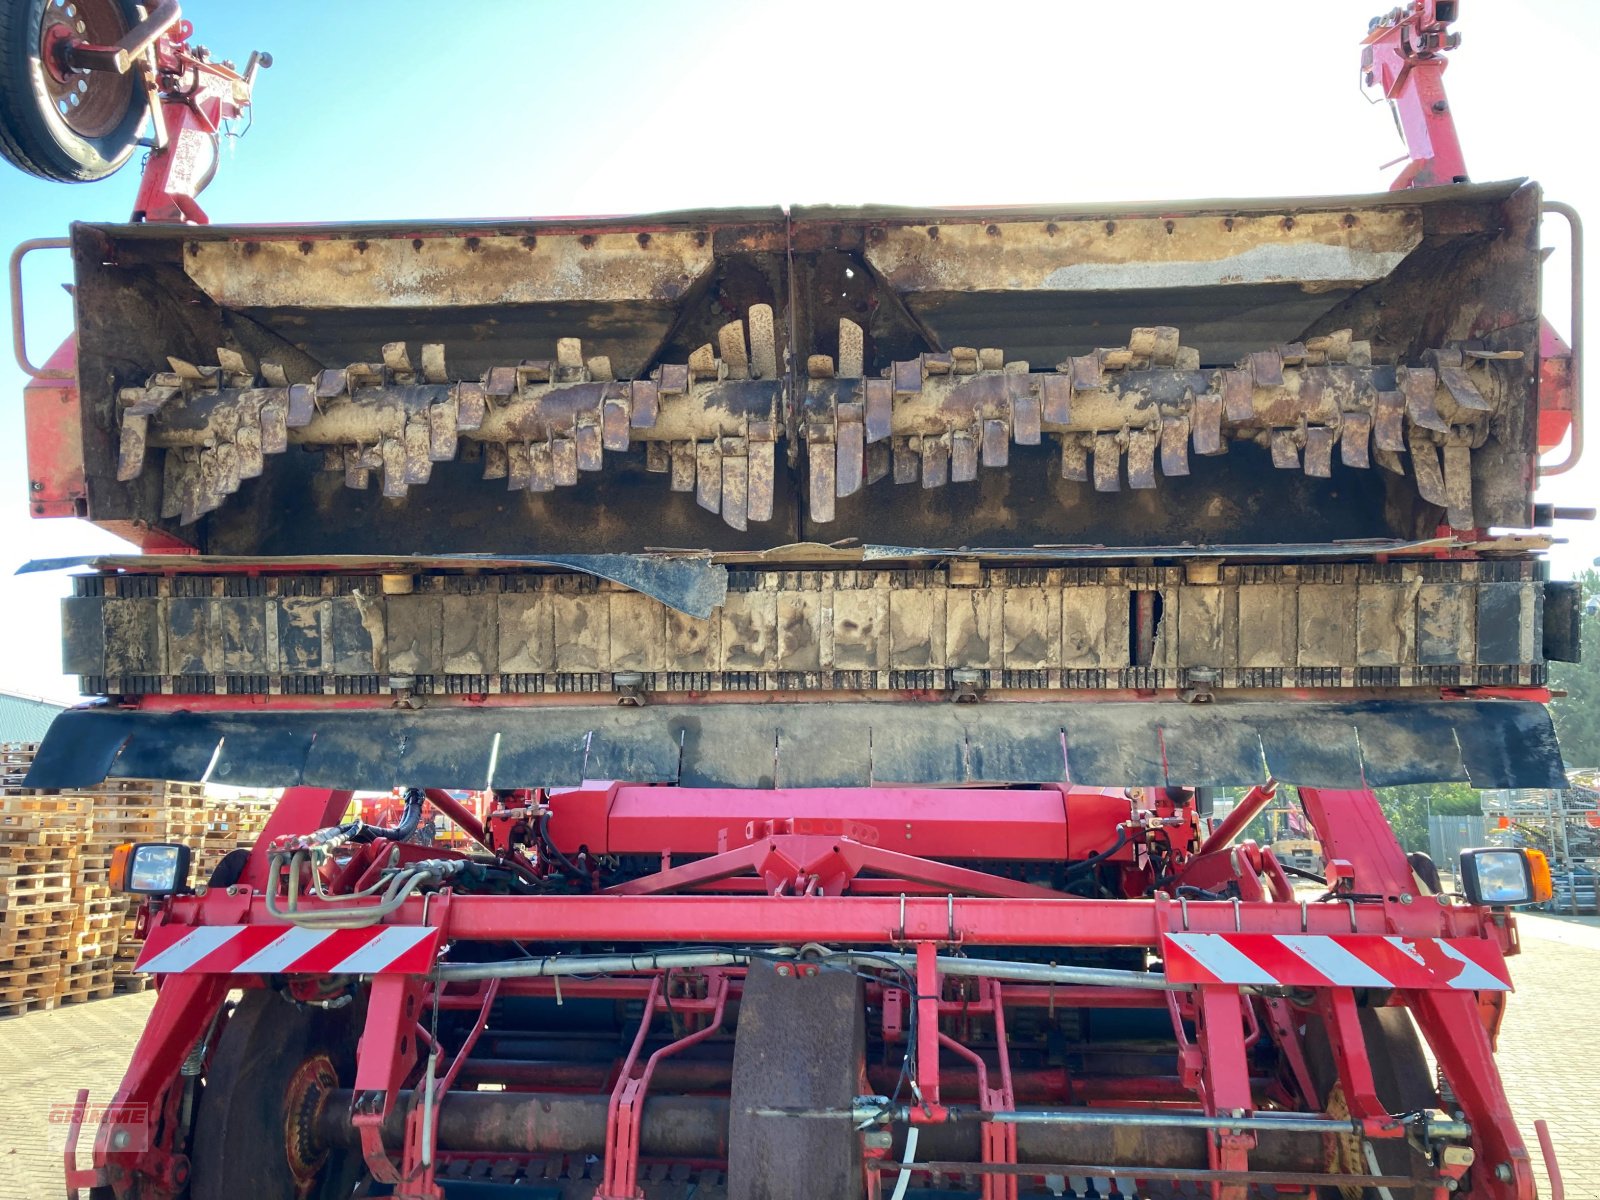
[
  {"x": 1505, "y": 877},
  {"x": 151, "y": 868}
]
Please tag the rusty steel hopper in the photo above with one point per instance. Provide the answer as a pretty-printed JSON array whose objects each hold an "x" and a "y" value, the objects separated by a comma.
[{"x": 1134, "y": 375}]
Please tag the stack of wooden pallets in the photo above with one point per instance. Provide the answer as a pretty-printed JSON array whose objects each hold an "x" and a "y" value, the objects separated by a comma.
[
  {"x": 231, "y": 822},
  {"x": 65, "y": 936},
  {"x": 41, "y": 837}
]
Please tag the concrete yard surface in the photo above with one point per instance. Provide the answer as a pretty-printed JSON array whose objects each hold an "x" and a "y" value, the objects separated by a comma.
[{"x": 1548, "y": 1051}]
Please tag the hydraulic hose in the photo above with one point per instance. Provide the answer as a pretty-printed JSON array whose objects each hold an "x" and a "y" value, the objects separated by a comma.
[
  {"x": 409, "y": 820},
  {"x": 1079, "y": 869}
]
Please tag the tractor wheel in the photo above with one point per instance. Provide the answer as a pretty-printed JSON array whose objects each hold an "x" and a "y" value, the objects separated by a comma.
[
  {"x": 800, "y": 1043},
  {"x": 254, "y": 1134},
  {"x": 1403, "y": 1083},
  {"x": 55, "y": 122}
]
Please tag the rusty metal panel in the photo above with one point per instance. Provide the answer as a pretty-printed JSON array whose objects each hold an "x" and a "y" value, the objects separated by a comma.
[
  {"x": 1030, "y": 619},
  {"x": 969, "y": 628},
  {"x": 301, "y": 635},
  {"x": 483, "y": 269},
  {"x": 1446, "y": 624},
  {"x": 860, "y": 626},
  {"x": 1386, "y": 622},
  {"x": 917, "y": 623},
  {"x": 1327, "y": 636},
  {"x": 414, "y": 634},
  {"x": 1146, "y": 252},
  {"x": 189, "y": 637},
  {"x": 1200, "y": 627},
  {"x": 470, "y": 636}
]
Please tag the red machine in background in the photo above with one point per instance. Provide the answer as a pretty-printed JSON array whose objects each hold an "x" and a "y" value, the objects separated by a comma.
[{"x": 908, "y": 883}]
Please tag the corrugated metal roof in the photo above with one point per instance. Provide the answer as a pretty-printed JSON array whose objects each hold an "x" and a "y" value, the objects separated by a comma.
[{"x": 25, "y": 718}]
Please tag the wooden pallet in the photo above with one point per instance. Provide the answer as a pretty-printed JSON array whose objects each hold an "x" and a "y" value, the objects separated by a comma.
[
  {"x": 52, "y": 888},
  {"x": 47, "y": 940},
  {"x": 26, "y": 989},
  {"x": 17, "y": 798},
  {"x": 91, "y": 979},
  {"x": 101, "y": 989},
  {"x": 27, "y": 1001},
  {"x": 55, "y": 860}
]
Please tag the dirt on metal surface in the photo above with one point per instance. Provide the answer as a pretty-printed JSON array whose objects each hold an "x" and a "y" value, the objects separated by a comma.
[
  {"x": 866, "y": 627},
  {"x": 1218, "y": 372}
]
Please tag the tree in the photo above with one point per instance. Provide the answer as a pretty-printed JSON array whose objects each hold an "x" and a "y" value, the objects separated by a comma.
[
  {"x": 1408, "y": 808},
  {"x": 1577, "y": 713}
]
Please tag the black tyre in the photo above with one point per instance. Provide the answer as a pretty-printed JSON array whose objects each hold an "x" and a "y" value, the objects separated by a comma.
[
  {"x": 70, "y": 126},
  {"x": 255, "y": 1131},
  {"x": 1403, "y": 1084}
]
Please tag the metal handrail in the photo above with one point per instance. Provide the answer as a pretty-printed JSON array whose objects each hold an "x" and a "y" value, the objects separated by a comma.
[
  {"x": 1575, "y": 447},
  {"x": 19, "y": 336}
]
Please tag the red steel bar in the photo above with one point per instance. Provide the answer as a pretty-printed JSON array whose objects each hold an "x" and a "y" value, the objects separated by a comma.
[
  {"x": 1232, "y": 825},
  {"x": 459, "y": 813},
  {"x": 870, "y": 920}
]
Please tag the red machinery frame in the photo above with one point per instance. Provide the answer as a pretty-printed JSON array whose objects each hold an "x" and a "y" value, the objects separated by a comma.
[{"x": 805, "y": 891}]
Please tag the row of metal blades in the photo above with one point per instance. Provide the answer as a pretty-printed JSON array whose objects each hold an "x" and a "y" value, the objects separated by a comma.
[{"x": 712, "y": 424}]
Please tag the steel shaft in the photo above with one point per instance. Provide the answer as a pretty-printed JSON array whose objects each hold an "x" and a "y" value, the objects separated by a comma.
[{"x": 696, "y": 1127}]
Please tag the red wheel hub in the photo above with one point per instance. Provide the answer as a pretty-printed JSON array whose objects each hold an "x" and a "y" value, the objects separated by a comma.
[{"x": 90, "y": 103}]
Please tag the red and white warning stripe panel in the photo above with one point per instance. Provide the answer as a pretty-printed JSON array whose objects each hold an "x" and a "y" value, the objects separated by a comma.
[
  {"x": 288, "y": 950},
  {"x": 1352, "y": 960}
]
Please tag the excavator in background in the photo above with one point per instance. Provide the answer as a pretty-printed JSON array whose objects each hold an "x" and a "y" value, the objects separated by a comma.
[{"x": 910, "y": 577}]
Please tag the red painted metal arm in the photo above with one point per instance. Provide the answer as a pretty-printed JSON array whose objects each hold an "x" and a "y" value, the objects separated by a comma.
[
  {"x": 1403, "y": 54},
  {"x": 460, "y": 814},
  {"x": 1232, "y": 825},
  {"x": 1351, "y": 826}
]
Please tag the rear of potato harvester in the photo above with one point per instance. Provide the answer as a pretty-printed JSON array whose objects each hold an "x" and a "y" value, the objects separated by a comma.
[{"x": 915, "y": 577}]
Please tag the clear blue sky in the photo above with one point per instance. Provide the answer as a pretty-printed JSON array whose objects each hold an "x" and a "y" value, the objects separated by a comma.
[{"x": 521, "y": 109}]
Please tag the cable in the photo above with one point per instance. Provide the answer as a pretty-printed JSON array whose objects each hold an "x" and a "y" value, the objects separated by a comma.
[
  {"x": 1094, "y": 860},
  {"x": 409, "y": 819},
  {"x": 562, "y": 860}
]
